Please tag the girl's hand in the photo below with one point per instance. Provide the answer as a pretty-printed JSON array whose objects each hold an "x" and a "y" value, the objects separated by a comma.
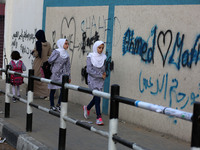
[
  {"x": 104, "y": 75},
  {"x": 69, "y": 80}
]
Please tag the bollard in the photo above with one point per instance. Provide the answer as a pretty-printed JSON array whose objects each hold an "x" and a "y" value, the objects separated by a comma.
[
  {"x": 7, "y": 98},
  {"x": 114, "y": 111},
  {"x": 63, "y": 112},
  {"x": 29, "y": 110},
  {"x": 195, "y": 142}
]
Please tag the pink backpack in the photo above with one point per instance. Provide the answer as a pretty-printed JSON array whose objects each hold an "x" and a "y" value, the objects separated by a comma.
[{"x": 16, "y": 79}]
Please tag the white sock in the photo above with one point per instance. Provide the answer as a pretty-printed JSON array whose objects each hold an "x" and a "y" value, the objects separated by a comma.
[
  {"x": 13, "y": 90},
  {"x": 18, "y": 90}
]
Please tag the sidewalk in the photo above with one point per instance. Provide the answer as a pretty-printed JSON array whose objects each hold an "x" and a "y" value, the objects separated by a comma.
[{"x": 46, "y": 129}]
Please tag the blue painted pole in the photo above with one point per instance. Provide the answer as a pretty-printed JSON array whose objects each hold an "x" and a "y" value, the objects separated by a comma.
[{"x": 105, "y": 102}]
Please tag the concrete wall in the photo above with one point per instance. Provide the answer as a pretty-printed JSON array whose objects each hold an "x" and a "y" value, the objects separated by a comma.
[
  {"x": 154, "y": 46},
  {"x": 158, "y": 51},
  {"x": 22, "y": 20}
]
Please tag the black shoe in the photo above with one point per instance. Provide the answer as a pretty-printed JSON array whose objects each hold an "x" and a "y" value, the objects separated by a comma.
[
  {"x": 53, "y": 108},
  {"x": 14, "y": 100},
  {"x": 58, "y": 107}
]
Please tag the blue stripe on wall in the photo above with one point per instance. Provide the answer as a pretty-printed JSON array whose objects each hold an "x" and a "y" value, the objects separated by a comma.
[
  {"x": 69, "y": 3},
  {"x": 111, "y": 4},
  {"x": 111, "y": 10},
  {"x": 56, "y": 3}
]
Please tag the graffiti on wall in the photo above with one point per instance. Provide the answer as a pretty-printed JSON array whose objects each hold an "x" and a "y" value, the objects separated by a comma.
[
  {"x": 23, "y": 41},
  {"x": 171, "y": 51},
  {"x": 169, "y": 89},
  {"x": 92, "y": 29}
]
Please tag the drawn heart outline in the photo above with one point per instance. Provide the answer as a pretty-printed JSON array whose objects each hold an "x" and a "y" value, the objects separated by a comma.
[
  {"x": 168, "y": 32},
  {"x": 66, "y": 25}
]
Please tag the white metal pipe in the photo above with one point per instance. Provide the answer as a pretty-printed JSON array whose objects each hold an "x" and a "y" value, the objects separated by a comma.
[
  {"x": 30, "y": 100},
  {"x": 7, "y": 98},
  {"x": 113, "y": 127},
  {"x": 63, "y": 113},
  {"x": 101, "y": 94}
]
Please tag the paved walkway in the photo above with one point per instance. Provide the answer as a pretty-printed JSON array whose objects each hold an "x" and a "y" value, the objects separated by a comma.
[{"x": 46, "y": 129}]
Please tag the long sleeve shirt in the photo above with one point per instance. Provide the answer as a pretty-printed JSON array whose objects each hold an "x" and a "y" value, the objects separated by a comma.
[
  {"x": 59, "y": 67},
  {"x": 95, "y": 79}
]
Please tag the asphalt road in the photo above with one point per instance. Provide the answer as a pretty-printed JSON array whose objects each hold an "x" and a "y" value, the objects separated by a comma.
[{"x": 6, "y": 146}]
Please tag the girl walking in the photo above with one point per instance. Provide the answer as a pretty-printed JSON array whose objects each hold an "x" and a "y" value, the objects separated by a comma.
[
  {"x": 60, "y": 65},
  {"x": 96, "y": 76},
  {"x": 17, "y": 66}
]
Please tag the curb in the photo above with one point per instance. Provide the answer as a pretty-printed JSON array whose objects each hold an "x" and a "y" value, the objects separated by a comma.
[{"x": 19, "y": 139}]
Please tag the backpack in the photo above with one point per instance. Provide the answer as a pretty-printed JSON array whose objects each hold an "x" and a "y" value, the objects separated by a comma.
[
  {"x": 85, "y": 74},
  {"x": 16, "y": 79},
  {"x": 46, "y": 67}
]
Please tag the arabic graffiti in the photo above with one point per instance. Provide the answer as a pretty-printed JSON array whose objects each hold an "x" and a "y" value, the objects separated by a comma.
[
  {"x": 169, "y": 89},
  {"x": 23, "y": 41},
  {"x": 171, "y": 54}
]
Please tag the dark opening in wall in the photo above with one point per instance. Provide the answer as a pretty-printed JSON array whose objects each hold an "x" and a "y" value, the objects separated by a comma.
[{"x": 2, "y": 12}]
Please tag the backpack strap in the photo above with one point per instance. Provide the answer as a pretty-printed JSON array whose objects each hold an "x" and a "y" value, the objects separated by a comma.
[
  {"x": 20, "y": 63},
  {"x": 13, "y": 64}
]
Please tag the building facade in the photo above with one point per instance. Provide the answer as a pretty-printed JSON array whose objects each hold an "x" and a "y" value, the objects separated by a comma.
[{"x": 154, "y": 46}]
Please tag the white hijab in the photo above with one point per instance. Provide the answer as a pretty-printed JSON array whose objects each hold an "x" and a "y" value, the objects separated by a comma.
[
  {"x": 63, "y": 52},
  {"x": 96, "y": 58}
]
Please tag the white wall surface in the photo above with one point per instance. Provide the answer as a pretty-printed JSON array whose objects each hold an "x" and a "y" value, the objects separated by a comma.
[
  {"x": 165, "y": 81},
  {"x": 22, "y": 19}
]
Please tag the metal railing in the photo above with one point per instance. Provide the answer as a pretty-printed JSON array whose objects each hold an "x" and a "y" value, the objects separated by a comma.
[{"x": 115, "y": 100}]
